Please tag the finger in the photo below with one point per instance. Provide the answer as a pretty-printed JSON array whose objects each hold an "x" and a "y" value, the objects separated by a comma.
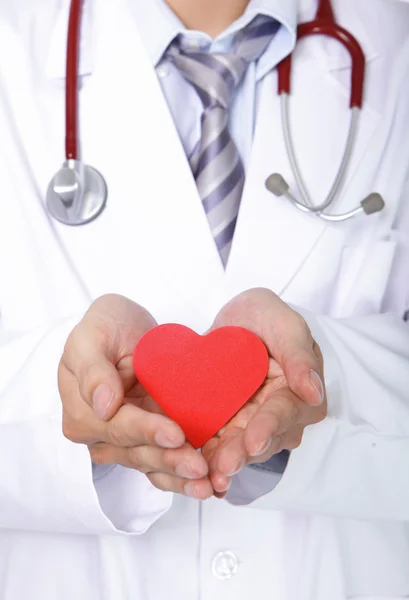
[
  {"x": 184, "y": 462},
  {"x": 133, "y": 426},
  {"x": 220, "y": 482},
  {"x": 289, "y": 440},
  {"x": 277, "y": 415},
  {"x": 228, "y": 459},
  {"x": 300, "y": 358},
  {"x": 100, "y": 384},
  {"x": 130, "y": 426},
  {"x": 106, "y": 336},
  {"x": 79, "y": 423},
  {"x": 234, "y": 451},
  {"x": 200, "y": 489},
  {"x": 292, "y": 439},
  {"x": 286, "y": 335},
  {"x": 220, "y": 495}
]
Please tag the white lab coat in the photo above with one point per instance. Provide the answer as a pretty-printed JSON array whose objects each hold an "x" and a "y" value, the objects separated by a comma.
[{"x": 346, "y": 489}]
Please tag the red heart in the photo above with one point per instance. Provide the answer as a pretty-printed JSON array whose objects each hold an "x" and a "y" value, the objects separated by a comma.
[{"x": 200, "y": 381}]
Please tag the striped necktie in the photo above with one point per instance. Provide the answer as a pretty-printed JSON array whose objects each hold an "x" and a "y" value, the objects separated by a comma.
[{"x": 215, "y": 162}]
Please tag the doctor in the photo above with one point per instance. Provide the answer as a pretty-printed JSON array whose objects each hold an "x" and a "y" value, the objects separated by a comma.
[{"x": 328, "y": 298}]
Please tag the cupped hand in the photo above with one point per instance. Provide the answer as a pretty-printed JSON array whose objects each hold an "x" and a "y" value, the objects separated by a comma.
[
  {"x": 292, "y": 397},
  {"x": 105, "y": 408}
]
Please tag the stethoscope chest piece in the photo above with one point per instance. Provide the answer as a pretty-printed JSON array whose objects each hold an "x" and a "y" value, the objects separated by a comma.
[{"x": 77, "y": 194}]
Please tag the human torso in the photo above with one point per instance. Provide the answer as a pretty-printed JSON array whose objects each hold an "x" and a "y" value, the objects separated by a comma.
[{"x": 152, "y": 244}]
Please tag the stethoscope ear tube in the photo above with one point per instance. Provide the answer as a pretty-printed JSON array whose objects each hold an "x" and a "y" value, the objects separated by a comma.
[
  {"x": 341, "y": 174},
  {"x": 329, "y": 28},
  {"x": 324, "y": 24}
]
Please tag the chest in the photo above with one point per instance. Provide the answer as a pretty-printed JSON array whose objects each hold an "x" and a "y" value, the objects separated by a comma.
[{"x": 152, "y": 243}]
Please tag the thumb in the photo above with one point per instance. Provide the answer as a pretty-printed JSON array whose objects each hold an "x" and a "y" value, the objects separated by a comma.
[
  {"x": 99, "y": 383},
  {"x": 303, "y": 369},
  {"x": 105, "y": 338},
  {"x": 103, "y": 389}
]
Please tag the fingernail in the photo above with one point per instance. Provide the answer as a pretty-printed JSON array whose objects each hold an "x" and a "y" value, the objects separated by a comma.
[
  {"x": 224, "y": 489},
  {"x": 167, "y": 439},
  {"x": 318, "y": 386},
  {"x": 237, "y": 467},
  {"x": 190, "y": 490},
  {"x": 102, "y": 399},
  {"x": 262, "y": 448}
]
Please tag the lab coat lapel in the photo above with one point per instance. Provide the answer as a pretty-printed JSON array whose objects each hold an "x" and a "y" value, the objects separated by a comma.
[
  {"x": 153, "y": 238},
  {"x": 273, "y": 240}
]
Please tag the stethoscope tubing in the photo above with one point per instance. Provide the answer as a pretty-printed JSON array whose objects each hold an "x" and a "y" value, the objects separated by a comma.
[
  {"x": 71, "y": 85},
  {"x": 323, "y": 24},
  {"x": 351, "y": 44},
  {"x": 307, "y": 205}
]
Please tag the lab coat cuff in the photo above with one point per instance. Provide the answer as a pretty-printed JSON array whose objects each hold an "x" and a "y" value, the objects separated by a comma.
[
  {"x": 270, "y": 490},
  {"x": 301, "y": 474},
  {"x": 120, "y": 501},
  {"x": 250, "y": 484},
  {"x": 258, "y": 479}
]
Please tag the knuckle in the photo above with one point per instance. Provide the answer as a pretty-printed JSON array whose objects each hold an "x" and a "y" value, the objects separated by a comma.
[
  {"x": 160, "y": 481},
  {"x": 294, "y": 440},
  {"x": 296, "y": 412},
  {"x": 77, "y": 409},
  {"x": 61, "y": 376},
  {"x": 117, "y": 434},
  {"x": 89, "y": 378},
  {"x": 277, "y": 382},
  {"x": 149, "y": 429},
  {"x": 276, "y": 445},
  {"x": 139, "y": 460},
  {"x": 170, "y": 459},
  {"x": 70, "y": 430},
  {"x": 320, "y": 414},
  {"x": 317, "y": 351},
  {"x": 301, "y": 324},
  {"x": 302, "y": 333},
  {"x": 278, "y": 407},
  {"x": 74, "y": 343},
  {"x": 98, "y": 455},
  {"x": 274, "y": 421},
  {"x": 71, "y": 340}
]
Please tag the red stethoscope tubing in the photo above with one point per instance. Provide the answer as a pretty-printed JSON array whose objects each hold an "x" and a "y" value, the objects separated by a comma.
[
  {"x": 71, "y": 85},
  {"x": 325, "y": 24}
]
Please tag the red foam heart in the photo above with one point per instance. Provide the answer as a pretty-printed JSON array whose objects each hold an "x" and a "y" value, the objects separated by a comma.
[{"x": 200, "y": 381}]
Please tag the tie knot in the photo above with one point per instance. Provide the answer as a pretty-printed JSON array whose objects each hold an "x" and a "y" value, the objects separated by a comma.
[{"x": 215, "y": 76}]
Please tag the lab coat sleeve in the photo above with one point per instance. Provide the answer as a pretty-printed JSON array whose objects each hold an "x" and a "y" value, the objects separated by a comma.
[
  {"x": 356, "y": 462},
  {"x": 46, "y": 481}
]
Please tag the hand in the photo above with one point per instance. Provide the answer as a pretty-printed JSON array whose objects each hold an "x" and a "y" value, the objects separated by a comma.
[
  {"x": 292, "y": 396},
  {"x": 105, "y": 408}
]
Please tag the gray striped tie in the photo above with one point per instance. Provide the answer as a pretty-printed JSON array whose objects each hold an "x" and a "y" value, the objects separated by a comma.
[{"x": 215, "y": 162}]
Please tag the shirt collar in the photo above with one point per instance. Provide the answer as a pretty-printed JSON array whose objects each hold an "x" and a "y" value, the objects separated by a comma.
[{"x": 159, "y": 25}]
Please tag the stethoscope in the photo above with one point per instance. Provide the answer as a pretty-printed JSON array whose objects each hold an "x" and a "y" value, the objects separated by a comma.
[{"x": 77, "y": 194}]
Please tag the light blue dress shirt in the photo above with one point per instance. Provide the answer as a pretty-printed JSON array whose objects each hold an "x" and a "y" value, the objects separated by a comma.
[{"x": 159, "y": 26}]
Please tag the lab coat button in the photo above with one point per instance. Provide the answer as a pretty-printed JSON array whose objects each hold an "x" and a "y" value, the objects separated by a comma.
[{"x": 225, "y": 565}]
